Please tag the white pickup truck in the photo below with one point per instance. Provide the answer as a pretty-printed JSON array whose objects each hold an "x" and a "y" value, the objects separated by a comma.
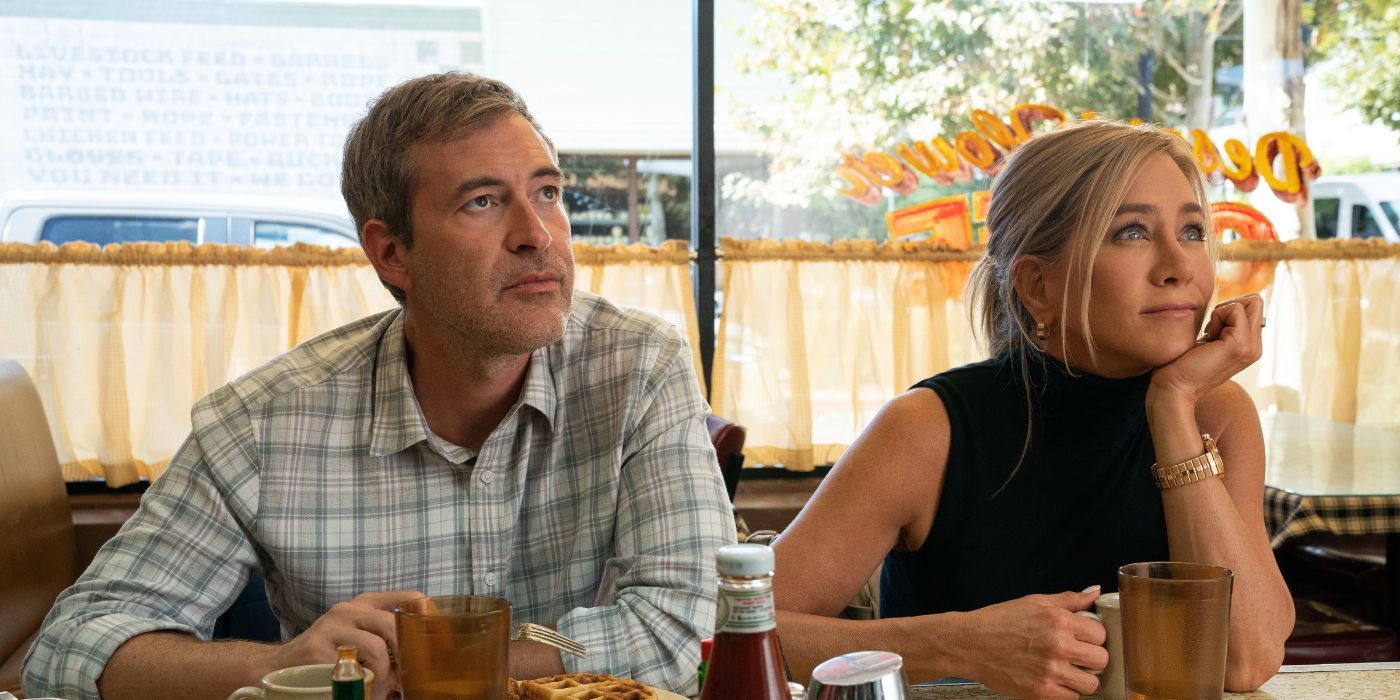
[
  {"x": 121, "y": 217},
  {"x": 1358, "y": 206}
]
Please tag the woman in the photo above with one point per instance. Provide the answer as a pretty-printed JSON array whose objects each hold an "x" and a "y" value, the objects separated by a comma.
[{"x": 1000, "y": 488}]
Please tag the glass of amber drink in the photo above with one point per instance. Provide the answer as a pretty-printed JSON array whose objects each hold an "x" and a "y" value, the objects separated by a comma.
[
  {"x": 1176, "y": 623},
  {"x": 453, "y": 647}
]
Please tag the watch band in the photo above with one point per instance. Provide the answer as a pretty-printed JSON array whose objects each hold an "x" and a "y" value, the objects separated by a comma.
[{"x": 1192, "y": 470}]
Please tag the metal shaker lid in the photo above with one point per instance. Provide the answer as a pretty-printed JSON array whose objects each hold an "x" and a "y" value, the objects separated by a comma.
[{"x": 858, "y": 667}]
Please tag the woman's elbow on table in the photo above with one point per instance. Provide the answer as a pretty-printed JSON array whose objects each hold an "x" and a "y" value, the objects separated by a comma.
[{"x": 1251, "y": 668}]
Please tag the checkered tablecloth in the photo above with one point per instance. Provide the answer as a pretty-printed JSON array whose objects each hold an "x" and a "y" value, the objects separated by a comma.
[{"x": 1288, "y": 515}]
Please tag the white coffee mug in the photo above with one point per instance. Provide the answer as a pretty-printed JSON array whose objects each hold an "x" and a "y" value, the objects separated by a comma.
[
  {"x": 311, "y": 682},
  {"x": 1112, "y": 685}
]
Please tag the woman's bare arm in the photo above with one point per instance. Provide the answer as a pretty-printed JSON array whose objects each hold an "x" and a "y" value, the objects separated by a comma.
[
  {"x": 1221, "y": 521},
  {"x": 881, "y": 496}
]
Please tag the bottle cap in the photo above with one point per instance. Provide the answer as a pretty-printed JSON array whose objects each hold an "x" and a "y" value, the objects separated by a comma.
[
  {"x": 744, "y": 560},
  {"x": 705, "y": 645}
]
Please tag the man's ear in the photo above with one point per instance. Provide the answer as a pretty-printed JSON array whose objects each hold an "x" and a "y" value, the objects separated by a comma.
[
  {"x": 1030, "y": 275},
  {"x": 386, "y": 252}
]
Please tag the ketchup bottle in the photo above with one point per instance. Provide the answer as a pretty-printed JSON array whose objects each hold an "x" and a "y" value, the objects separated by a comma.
[{"x": 745, "y": 662}]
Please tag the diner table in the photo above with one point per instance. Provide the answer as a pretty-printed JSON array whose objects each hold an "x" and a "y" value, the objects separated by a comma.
[
  {"x": 1323, "y": 476},
  {"x": 1324, "y": 681}
]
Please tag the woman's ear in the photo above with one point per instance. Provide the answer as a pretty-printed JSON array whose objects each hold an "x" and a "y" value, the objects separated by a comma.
[
  {"x": 1029, "y": 275},
  {"x": 386, "y": 253}
]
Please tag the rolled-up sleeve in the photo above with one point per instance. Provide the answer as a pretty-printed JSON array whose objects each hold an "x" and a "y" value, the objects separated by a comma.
[
  {"x": 672, "y": 514},
  {"x": 176, "y": 565}
]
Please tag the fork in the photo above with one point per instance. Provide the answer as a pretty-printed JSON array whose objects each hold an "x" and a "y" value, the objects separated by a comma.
[{"x": 544, "y": 635}]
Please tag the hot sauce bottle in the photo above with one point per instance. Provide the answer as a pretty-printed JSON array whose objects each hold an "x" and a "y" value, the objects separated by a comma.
[
  {"x": 745, "y": 661},
  {"x": 348, "y": 676}
]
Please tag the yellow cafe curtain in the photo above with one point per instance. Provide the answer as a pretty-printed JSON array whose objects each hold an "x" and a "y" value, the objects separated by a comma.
[
  {"x": 122, "y": 340},
  {"x": 815, "y": 338}
]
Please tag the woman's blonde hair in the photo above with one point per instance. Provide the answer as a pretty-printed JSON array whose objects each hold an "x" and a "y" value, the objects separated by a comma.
[{"x": 1054, "y": 200}]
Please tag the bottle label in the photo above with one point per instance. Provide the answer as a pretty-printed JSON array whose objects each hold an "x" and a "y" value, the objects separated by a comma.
[
  {"x": 745, "y": 612},
  {"x": 348, "y": 690}
]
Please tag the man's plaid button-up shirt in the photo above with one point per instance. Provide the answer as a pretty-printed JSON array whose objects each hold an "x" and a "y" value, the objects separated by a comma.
[{"x": 595, "y": 506}]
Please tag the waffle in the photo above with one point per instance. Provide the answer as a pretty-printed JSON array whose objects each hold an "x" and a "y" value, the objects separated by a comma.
[{"x": 585, "y": 686}]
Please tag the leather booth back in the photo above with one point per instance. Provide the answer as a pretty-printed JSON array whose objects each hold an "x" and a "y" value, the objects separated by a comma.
[
  {"x": 728, "y": 438},
  {"x": 36, "y": 529}
]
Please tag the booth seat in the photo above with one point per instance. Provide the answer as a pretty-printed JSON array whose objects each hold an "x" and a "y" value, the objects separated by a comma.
[
  {"x": 1347, "y": 571},
  {"x": 1326, "y": 635},
  {"x": 37, "y": 546}
]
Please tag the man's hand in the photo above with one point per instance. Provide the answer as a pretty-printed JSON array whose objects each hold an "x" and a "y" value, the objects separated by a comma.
[
  {"x": 1036, "y": 646},
  {"x": 367, "y": 622}
]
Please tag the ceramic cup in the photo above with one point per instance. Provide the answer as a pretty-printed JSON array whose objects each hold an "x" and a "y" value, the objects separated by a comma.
[
  {"x": 311, "y": 682},
  {"x": 1108, "y": 612}
]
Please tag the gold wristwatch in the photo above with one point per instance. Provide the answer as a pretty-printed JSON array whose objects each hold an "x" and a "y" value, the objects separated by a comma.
[{"x": 1194, "y": 469}]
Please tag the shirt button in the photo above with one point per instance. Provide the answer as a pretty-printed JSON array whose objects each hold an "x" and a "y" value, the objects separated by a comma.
[
  {"x": 487, "y": 477},
  {"x": 490, "y": 580}
]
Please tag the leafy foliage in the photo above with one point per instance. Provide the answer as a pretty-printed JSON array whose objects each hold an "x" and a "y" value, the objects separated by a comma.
[
  {"x": 1361, "y": 38},
  {"x": 866, "y": 73},
  {"x": 863, "y": 74}
]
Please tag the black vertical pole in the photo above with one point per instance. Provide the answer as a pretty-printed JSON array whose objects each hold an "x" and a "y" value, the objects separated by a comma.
[
  {"x": 1147, "y": 65},
  {"x": 702, "y": 182}
]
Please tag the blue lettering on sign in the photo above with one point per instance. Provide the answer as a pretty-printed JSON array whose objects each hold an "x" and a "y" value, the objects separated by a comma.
[
  {"x": 268, "y": 179},
  {"x": 160, "y": 76},
  {"x": 67, "y": 93},
  {"x": 138, "y": 111},
  {"x": 45, "y": 73},
  {"x": 168, "y": 96}
]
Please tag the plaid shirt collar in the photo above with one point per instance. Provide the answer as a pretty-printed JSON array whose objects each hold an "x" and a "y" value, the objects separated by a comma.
[{"x": 398, "y": 422}]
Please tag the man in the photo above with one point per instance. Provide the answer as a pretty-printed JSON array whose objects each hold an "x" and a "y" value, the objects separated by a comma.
[{"x": 499, "y": 435}]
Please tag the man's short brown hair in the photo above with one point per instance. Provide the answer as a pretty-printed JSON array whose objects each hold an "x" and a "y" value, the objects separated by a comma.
[{"x": 377, "y": 174}]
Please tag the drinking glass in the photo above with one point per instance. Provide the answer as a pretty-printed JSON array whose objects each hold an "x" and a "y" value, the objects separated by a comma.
[
  {"x": 453, "y": 647},
  {"x": 1176, "y": 622}
]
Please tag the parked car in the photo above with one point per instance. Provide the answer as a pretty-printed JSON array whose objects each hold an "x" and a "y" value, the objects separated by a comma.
[
  {"x": 121, "y": 217},
  {"x": 1366, "y": 205}
]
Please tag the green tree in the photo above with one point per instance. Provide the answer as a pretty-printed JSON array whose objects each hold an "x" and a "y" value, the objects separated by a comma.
[
  {"x": 1361, "y": 39},
  {"x": 1184, "y": 35},
  {"x": 862, "y": 74}
]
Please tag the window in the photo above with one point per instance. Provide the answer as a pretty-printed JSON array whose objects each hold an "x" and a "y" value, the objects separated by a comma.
[
  {"x": 1363, "y": 225},
  {"x": 270, "y": 234},
  {"x": 1392, "y": 212},
  {"x": 118, "y": 229},
  {"x": 627, "y": 199},
  {"x": 255, "y": 98},
  {"x": 1325, "y": 213}
]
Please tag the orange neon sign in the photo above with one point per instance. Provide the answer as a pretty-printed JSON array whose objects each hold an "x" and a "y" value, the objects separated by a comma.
[{"x": 1281, "y": 160}]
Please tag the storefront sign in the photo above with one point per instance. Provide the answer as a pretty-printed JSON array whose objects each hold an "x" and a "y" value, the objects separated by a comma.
[{"x": 1283, "y": 161}]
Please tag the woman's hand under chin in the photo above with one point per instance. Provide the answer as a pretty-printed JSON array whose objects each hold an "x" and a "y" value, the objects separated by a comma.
[{"x": 1232, "y": 342}]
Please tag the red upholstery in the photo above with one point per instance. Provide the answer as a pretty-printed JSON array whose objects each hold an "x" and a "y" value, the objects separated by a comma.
[
  {"x": 1345, "y": 571},
  {"x": 728, "y": 439},
  {"x": 37, "y": 549},
  {"x": 1326, "y": 635},
  {"x": 1356, "y": 560}
]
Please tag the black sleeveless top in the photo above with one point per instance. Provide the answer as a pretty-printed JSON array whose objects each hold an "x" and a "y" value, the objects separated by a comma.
[{"x": 1081, "y": 504}]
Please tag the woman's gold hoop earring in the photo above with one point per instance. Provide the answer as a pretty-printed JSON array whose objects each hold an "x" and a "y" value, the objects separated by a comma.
[{"x": 1040, "y": 332}]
